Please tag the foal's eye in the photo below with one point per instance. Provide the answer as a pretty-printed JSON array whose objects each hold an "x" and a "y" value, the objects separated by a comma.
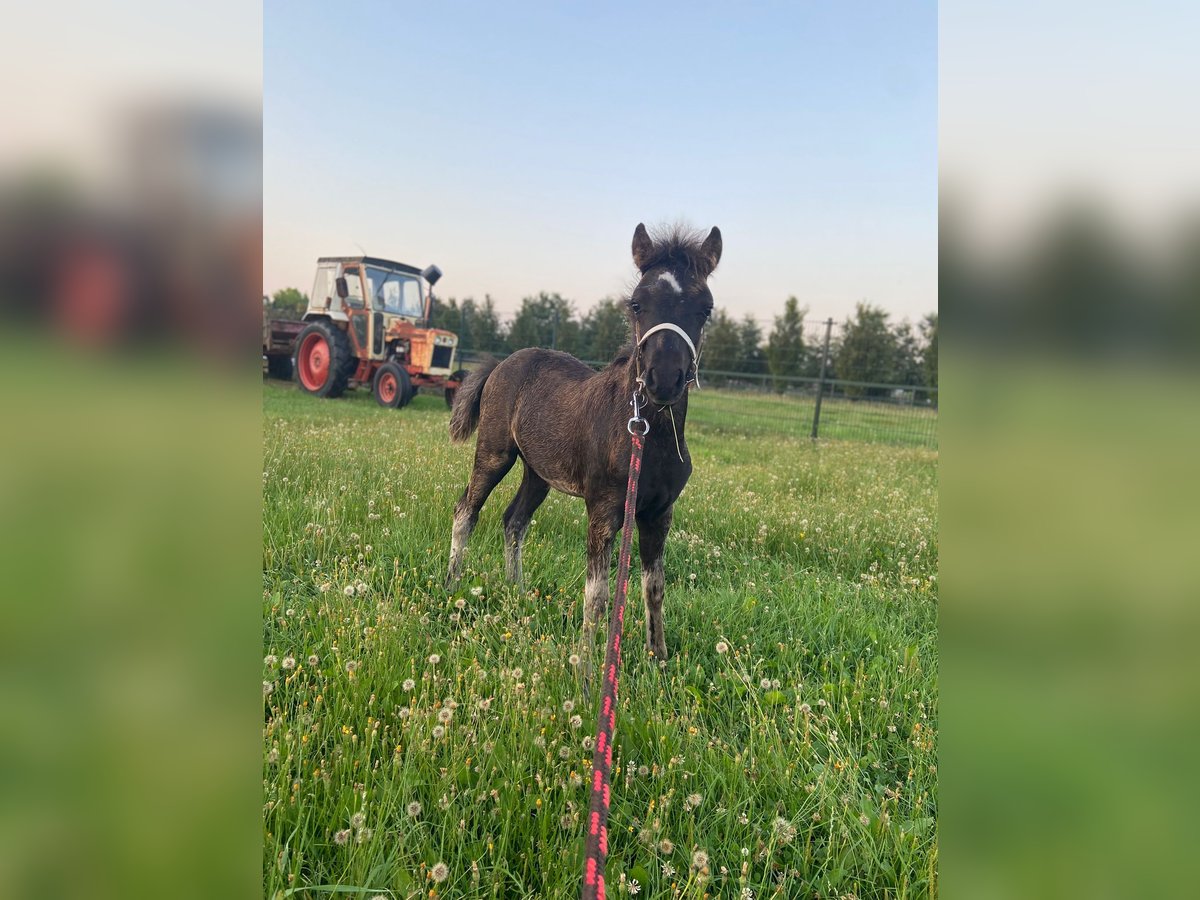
[{"x": 635, "y": 306}]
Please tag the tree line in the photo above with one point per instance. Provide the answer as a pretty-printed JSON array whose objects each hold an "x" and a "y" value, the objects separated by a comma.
[{"x": 867, "y": 347}]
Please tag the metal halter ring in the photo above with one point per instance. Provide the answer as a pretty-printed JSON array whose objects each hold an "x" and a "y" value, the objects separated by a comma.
[{"x": 638, "y": 400}]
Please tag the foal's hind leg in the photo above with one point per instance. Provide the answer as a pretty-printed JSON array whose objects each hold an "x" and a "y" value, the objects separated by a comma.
[
  {"x": 529, "y": 497},
  {"x": 490, "y": 468},
  {"x": 652, "y": 536}
]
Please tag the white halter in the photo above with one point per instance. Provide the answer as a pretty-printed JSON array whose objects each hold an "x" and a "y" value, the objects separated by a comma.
[{"x": 671, "y": 326}]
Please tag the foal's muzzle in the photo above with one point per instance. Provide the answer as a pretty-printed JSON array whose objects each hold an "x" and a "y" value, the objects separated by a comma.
[{"x": 665, "y": 384}]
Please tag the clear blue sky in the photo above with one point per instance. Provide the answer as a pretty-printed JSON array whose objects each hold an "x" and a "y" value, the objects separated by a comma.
[{"x": 517, "y": 145}]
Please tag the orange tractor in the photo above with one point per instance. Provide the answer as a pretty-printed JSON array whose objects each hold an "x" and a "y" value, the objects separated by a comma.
[{"x": 366, "y": 325}]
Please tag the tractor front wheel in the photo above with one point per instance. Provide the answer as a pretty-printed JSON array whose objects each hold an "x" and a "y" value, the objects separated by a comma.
[
  {"x": 450, "y": 392},
  {"x": 393, "y": 388},
  {"x": 324, "y": 360}
]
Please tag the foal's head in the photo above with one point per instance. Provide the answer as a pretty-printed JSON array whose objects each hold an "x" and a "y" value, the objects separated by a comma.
[{"x": 673, "y": 290}]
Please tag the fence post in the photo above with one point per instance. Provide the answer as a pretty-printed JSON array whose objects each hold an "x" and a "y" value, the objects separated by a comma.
[{"x": 821, "y": 379}]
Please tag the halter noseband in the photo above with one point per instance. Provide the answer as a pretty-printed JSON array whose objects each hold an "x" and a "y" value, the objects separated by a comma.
[{"x": 671, "y": 326}]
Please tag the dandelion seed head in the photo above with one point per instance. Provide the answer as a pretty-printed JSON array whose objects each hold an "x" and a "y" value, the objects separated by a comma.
[{"x": 440, "y": 872}]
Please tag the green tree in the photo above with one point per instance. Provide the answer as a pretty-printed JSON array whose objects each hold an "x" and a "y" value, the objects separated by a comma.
[
  {"x": 605, "y": 330},
  {"x": 722, "y": 347},
  {"x": 867, "y": 350},
  {"x": 546, "y": 320},
  {"x": 929, "y": 355},
  {"x": 785, "y": 345},
  {"x": 488, "y": 330},
  {"x": 289, "y": 301},
  {"x": 753, "y": 359},
  {"x": 907, "y": 366}
]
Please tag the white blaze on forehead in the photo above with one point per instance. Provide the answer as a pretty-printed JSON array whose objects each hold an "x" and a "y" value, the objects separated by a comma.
[{"x": 670, "y": 279}]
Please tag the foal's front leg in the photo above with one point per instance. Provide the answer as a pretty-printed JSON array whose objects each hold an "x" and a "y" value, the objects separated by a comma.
[
  {"x": 603, "y": 521},
  {"x": 652, "y": 536}
]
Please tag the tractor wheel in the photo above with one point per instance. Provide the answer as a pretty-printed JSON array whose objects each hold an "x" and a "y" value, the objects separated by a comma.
[
  {"x": 393, "y": 388},
  {"x": 450, "y": 392},
  {"x": 324, "y": 360},
  {"x": 280, "y": 367}
]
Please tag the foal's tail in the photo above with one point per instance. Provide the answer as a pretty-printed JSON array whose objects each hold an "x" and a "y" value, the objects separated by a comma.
[{"x": 464, "y": 418}]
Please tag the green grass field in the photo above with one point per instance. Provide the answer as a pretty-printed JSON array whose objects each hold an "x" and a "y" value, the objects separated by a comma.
[{"x": 425, "y": 743}]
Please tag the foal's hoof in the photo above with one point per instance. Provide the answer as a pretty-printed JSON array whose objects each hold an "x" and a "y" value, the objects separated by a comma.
[{"x": 659, "y": 655}]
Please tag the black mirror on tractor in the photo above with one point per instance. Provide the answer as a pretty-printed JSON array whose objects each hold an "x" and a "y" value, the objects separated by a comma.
[
  {"x": 343, "y": 290},
  {"x": 431, "y": 274}
]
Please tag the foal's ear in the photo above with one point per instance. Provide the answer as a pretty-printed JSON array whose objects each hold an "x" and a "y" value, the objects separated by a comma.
[
  {"x": 642, "y": 245},
  {"x": 710, "y": 250}
]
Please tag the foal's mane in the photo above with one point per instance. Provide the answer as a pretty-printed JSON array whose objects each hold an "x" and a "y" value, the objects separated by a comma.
[{"x": 678, "y": 246}]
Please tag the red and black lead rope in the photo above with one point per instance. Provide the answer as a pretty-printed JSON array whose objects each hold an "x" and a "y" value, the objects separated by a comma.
[{"x": 595, "y": 847}]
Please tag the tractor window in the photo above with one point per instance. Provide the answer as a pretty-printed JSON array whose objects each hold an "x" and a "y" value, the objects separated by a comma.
[
  {"x": 354, "y": 288},
  {"x": 323, "y": 293},
  {"x": 395, "y": 292}
]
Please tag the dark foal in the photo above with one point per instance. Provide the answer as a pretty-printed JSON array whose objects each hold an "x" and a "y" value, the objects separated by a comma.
[{"x": 567, "y": 423}]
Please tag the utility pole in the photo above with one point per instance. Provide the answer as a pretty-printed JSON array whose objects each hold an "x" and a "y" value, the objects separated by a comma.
[{"x": 821, "y": 379}]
